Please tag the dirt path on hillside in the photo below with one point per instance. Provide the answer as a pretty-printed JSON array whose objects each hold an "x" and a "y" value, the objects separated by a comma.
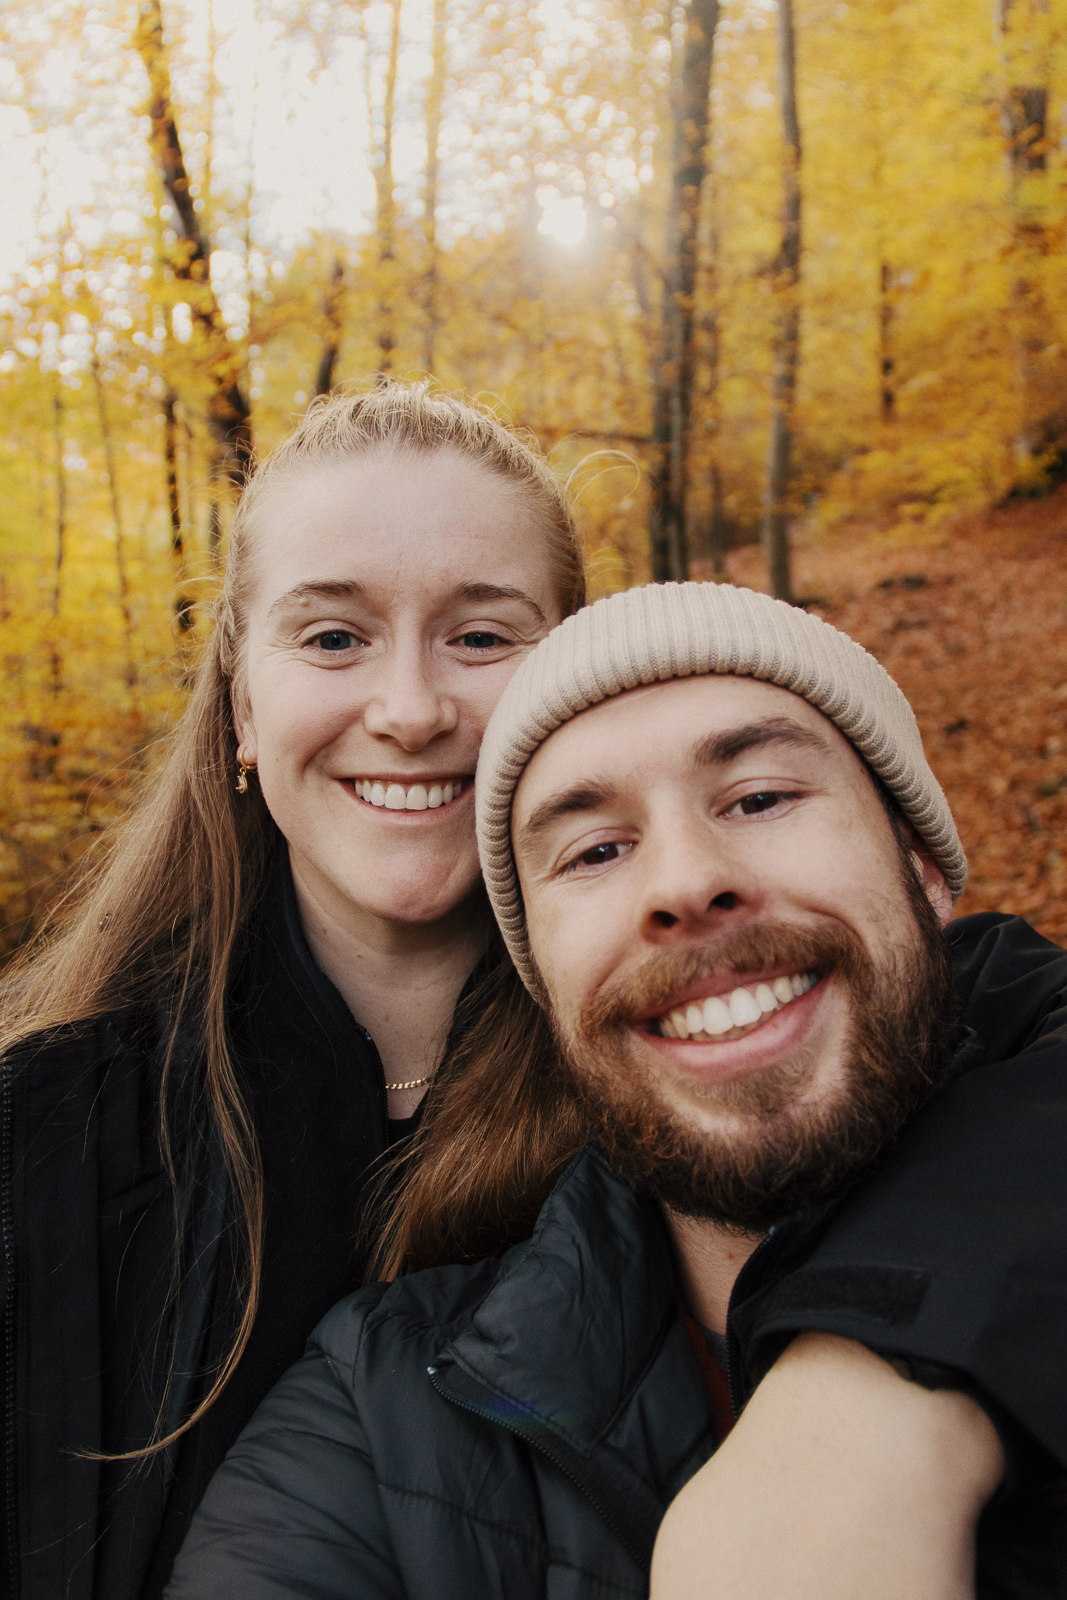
[{"x": 974, "y": 629}]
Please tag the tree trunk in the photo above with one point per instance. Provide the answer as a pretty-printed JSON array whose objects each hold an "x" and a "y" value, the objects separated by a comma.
[
  {"x": 787, "y": 325},
  {"x": 1024, "y": 121},
  {"x": 385, "y": 191},
  {"x": 333, "y": 314},
  {"x": 61, "y": 532},
  {"x": 887, "y": 365},
  {"x": 673, "y": 405},
  {"x": 712, "y": 539},
  {"x": 116, "y": 520},
  {"x": 715, "y": 537},
  {"x": 435, "y": 94},
  {"x": 229, "y": 416},
  {"x": 170, "y": 469}
]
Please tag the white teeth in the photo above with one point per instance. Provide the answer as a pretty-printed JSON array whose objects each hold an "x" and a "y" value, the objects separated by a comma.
[
  {"x": 721, "y": 1014},
  {"x": 765, "y": 997},
  {"x": 717, "y": 1018},
  {"x": 743, "y": 1008},
  {"x": 398, "y": 797}
]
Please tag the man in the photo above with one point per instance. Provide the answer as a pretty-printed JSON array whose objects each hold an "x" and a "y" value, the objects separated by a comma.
[{"x": 720, "y": 860}]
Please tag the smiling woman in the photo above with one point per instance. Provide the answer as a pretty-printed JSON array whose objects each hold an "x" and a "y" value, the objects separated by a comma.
[{"x": 241, "y": 1011}]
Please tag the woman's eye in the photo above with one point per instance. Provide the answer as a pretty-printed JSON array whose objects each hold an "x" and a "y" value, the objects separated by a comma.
[
  {"x": 334, "y": 639},
  {"x": 765, "y": 800},
  {"x": 478, "y": 639}
]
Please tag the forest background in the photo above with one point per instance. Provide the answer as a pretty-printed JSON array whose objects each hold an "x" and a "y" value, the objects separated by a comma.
[{"x": 779, "y": 286}]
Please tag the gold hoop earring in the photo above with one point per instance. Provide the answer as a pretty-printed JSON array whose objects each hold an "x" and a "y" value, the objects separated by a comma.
[{"x": 245, "y": 765}]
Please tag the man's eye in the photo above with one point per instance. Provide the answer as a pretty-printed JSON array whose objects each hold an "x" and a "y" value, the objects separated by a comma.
[
  {"x": 334, "y": 639},
  {"x": 598, "y": 855},
  {"x": 765, "y": 800},
  {"x": 479, "y": 640}
]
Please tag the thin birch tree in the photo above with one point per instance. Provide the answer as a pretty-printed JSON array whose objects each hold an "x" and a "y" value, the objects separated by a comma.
[
  {"x": 1022, "y": 27},
  {"x": 228, "y": 413},
  {"x": 435, "y": 94},
  {"x": 333, "y": 308},
  {"x": 384, "y": 185},
  {"x": 122, "y": 572},
  {"x": 673, "y": 401},
  {"x": 775, "y": 531}
]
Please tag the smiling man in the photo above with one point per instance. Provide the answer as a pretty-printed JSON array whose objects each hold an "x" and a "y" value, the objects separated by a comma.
[
  {"x": 724, "y": 869},
  {"x": 722, "y": 863},
  {"x": 740, "y": 944}
]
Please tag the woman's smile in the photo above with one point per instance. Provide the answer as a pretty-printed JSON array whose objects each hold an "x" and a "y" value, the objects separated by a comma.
[{"x": 423, "y": 794}]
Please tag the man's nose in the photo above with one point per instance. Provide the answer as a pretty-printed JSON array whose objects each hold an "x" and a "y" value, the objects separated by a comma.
[
  {"x": 692, "y": 879},
  {"x": 408, "y": 703}
]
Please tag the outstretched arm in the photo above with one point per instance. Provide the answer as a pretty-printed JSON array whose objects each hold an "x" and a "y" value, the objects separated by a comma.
[{"x": 841, "y": 1481}]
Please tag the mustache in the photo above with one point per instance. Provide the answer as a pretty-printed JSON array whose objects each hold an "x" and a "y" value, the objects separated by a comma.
[{"x": 754, "y": 949}]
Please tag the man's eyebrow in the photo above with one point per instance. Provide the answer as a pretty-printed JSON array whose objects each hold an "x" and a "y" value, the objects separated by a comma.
[
  {"x": 580, "y": 797},
  {"x": 719, "y": 749},
  {"x": 487, "y": 592},
  {"x": 319, "y": 589}
]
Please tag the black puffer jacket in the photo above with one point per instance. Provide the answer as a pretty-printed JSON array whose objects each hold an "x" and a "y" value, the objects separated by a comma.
[
  {"x": 514, "y": 1430},
  {"x": 90, "y": 1321},
  {"x": 88, "y": 1238}
]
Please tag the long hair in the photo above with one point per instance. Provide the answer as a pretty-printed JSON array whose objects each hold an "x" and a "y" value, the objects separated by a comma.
[
  {"x": 499, "y": 1125},
  {"x": 162, "y": 914}
]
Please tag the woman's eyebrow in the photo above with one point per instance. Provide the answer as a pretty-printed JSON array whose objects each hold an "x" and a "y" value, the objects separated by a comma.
[
  {"x": 318, "y": 589},
  {"x": 346, "y": 589},
  {"x": 487, "y": 592}
]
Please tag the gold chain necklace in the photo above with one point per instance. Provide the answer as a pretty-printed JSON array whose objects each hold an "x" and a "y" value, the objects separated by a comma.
[{"x": 412, "y": 1083}]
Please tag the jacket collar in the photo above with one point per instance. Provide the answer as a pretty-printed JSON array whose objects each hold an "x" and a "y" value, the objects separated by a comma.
[{"x": 577, "y": 1314}]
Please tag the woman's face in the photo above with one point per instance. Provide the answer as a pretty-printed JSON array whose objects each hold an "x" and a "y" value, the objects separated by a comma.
[{"x": 392, "y": 597}]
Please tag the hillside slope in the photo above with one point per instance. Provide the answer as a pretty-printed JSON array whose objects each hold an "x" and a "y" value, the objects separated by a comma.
[{"x": 974, "y": 629}]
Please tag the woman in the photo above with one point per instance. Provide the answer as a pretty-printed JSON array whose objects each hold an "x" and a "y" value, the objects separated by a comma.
[{"x": 244, "y": 1007}]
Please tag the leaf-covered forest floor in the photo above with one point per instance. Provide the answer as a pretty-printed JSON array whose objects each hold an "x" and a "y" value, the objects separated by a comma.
[{"x": 972, "y": 623}]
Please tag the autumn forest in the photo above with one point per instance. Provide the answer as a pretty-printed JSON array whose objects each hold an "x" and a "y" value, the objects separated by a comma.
[{"x": 778, "y": 284}]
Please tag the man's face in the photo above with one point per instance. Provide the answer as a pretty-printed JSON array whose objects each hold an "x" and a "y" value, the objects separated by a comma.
[{"x": 750, "y": 988}]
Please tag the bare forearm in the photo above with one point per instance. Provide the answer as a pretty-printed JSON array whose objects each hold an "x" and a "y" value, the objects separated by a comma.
[{"x": 841, "y": 1481}]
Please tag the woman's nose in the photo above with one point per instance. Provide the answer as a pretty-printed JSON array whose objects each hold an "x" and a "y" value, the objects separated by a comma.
[{"x": 409, "y": 705}]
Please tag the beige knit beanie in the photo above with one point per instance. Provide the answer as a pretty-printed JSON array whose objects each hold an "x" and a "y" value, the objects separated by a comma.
[{"x": 682, "y": 630}]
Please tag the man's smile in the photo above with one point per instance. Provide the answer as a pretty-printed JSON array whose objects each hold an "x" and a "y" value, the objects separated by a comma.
[{"x": 732, "y": 1014}]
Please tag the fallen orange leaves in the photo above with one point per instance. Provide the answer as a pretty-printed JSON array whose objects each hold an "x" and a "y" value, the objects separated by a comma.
[{"x": 974, "y": 629}]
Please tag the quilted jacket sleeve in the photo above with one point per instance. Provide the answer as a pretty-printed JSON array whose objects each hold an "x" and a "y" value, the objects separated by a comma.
[
  {"x": 955, "y": 1249},
  {"x": 294, "y": 1509}
]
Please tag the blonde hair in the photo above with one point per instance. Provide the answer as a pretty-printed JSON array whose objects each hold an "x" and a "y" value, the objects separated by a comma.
[{"x": 161, "y": 917}]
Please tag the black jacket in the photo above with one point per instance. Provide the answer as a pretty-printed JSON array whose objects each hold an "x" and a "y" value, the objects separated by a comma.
[
  {"x": 513, "y": 1431},
  {"x": 88, "y": 1241},
  {"x": 90, "y": 1319}
]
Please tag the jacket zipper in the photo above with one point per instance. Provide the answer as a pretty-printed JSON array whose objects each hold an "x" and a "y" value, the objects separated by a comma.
[
  {"x": 563, "y": 1466},
  {"x": 8, "y": 1227},
  {"x": 733, "y": 1377},
  {"x": 384, "y": 1108}
]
